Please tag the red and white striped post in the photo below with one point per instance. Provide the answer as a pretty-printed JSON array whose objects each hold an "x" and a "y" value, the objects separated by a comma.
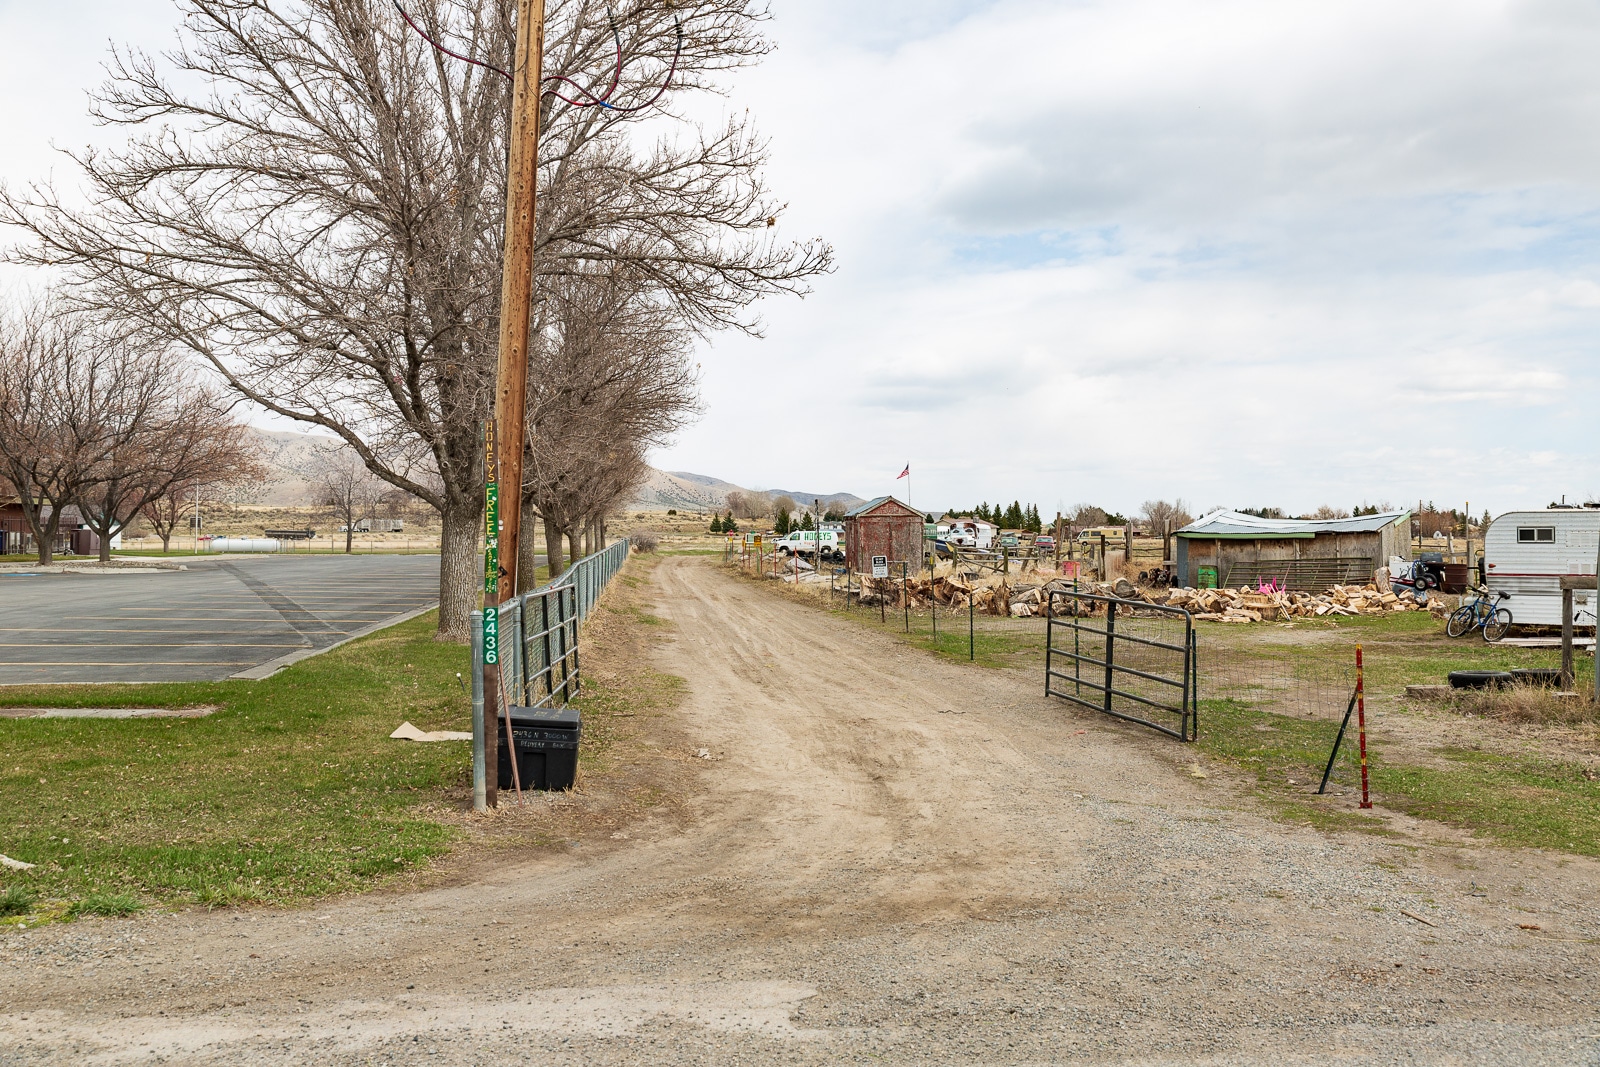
[{"x": 1361, "y": 726}]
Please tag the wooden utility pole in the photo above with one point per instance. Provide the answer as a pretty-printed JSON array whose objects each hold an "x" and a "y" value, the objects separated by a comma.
[
  {"x": 516, "y": 288},
  {"x": 511, "y": 383}
]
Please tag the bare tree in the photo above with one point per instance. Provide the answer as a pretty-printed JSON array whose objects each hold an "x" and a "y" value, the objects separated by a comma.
[
  {"x": 67, "y": 396},
  {"x": 209, "y": 449},
  {"x": 347, "y": 488},
  {"x": 1087, "y": 515},
  {"x": 784, "y": 505},
  {"x": 612, "y": 377},
  {"x": 322, "y": 222},
  {"x": 1328, "y": 511},
  {"x": 178, "y": 435},
  {"x": 1165, "y": 518},
  {"x": 749, "y": 505}
]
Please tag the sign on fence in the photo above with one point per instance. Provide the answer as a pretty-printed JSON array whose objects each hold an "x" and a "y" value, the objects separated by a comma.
[{"x": 880, "y": 566}]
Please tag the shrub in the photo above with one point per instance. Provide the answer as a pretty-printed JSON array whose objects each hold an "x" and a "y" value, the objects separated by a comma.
[
  {"x": 644, "y": 541},
  {"x": 16, "y": 901}
]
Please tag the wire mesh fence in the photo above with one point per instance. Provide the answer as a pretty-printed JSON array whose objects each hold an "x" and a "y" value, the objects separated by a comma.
[{"x": 589, "y": 576}]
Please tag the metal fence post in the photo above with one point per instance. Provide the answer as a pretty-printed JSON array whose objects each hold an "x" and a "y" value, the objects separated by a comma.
[
  {"x": 972, "y": 645},
  {"x": 480, "y": 774},
  {"x": 1049, "y": 639},
  {"x": 905, "y": 591},
  {"x": 519, "y": 677},
  {"x": 1111, "y": 650}
]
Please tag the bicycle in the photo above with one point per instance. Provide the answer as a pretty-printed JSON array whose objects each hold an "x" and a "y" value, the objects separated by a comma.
[{"x": 1480, "y": 613}]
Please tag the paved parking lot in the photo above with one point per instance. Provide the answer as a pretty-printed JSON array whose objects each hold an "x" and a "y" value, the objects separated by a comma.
[{"x": 223, "y": 616}]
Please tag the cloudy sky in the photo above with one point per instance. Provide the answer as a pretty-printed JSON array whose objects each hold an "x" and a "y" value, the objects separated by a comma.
[{"x": 1244, "y": 253}]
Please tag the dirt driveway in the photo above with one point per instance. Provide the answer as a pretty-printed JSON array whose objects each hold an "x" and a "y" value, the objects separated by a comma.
[{"x": 891, "y": 859}]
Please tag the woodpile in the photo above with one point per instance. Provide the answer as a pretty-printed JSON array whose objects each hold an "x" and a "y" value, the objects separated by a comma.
[
  {"x": 1246, "y": 605},
  {"x": 999, "y": 595}
]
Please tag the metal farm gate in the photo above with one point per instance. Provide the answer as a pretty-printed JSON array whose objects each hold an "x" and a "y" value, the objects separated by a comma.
[{"x": 1129, "y": 659}]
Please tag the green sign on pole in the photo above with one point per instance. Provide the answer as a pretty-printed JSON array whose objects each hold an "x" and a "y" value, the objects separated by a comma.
[
  {"x": 491, "y": 541},
  {"x": 491, "y": 552},
  {"x": 491, "y": 635}
]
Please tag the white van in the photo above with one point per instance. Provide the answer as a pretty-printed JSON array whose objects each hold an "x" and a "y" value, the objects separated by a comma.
[
  {"x": 1527, "y": 553},
  {"x": 804, "y": 543}
]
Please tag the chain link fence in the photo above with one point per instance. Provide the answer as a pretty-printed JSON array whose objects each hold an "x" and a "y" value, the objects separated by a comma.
[{"x": 538, "y": 636}]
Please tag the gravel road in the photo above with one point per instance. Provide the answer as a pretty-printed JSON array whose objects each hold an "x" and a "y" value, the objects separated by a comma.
[{"x": 890, "y": 859}]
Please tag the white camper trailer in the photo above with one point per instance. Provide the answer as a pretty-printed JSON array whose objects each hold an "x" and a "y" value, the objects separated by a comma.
[{"x": 1527, "y": 553}]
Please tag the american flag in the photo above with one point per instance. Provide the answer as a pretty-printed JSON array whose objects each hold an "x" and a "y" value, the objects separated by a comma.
[{"x": 904, "y": 474}]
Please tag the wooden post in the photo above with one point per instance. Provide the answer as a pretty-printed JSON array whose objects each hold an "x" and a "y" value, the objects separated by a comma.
[
  {"x": 516, "y": 287},
  {"x": 1566, "y": 639},
  {"x": 1568, "y": 584}
]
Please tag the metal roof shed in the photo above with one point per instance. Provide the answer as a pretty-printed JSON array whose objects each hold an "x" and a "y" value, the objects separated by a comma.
[
  {"x": 882, "y": 527},
  {"x": 1308, "y": 554}
]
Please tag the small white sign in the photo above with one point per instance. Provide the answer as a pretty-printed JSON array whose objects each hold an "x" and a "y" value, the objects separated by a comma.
[{"x": 880, "y": 566}]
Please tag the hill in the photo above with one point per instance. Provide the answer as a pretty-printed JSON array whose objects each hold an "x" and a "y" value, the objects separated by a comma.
[{"x": 292, "y": 458}]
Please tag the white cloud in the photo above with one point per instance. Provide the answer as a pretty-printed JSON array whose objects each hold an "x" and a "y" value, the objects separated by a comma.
[
  {"x": 1269, "y": 252},
  {"x": 1248, "y": 252}
]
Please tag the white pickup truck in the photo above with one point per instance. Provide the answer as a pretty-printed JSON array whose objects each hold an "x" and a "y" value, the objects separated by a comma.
[{"x": 804, "y": 543}]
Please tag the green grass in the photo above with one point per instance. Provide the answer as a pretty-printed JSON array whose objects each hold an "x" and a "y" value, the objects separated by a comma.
[
  {"x": 292, "y": 790},
  {"x": 112, "y": 905},
  {"x": 16, "y": 900},
  {"x": 1520, "y": 800},
  {"x": 1528, "y": 800}
]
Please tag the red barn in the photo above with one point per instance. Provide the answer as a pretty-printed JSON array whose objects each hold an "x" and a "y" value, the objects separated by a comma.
[{"x": 883, "y": 527}]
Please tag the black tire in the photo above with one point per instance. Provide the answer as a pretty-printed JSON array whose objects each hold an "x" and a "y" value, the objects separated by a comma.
[
  {"x": 1460, "y": 622},
  {"x": 1496, "y": 627},
  {"x": 1479, "y": 679}
]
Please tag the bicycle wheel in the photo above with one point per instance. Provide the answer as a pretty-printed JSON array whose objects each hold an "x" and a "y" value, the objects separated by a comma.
[
  {"x": 1460, "y": 622},
  {"x": 1495, "y": 627}
]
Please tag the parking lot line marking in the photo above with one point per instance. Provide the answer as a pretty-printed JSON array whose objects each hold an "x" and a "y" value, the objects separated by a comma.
[
  {"x": 144, "y": 618},
  {"x": 267, "y": 611},
  {"x": 149, "y": 644},
  {"x": 209, "y": 632},
  {"x": 131, "y": 663}
]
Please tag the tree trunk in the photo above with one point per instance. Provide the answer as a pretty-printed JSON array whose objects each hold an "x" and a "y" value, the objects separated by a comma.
[
  {"x": 552, "y": 548},
  {"x": 459, "y": 568},
  {"x": 575, "y": 545},
  {"x": 166, "y": 543},
  {"x": 527, "y": 551},
  {"x": 350, "y": 535},
  {"x": 105, "y": 549}
]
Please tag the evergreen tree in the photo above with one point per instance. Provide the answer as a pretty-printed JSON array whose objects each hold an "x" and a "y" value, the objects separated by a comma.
[
  {"x": 983, "y": 512},
  {"x": 1013, "y": 516},
  {"x": 782, "y": 526},
  {"x": 716, "y": 523},
  {"x": 728, "y": 525},
  {"x": 1032, "y": 518},
  {"x": 808, "y": 521}
]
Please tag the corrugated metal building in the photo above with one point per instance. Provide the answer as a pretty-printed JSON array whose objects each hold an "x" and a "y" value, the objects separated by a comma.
[
  {"x": 882, "y": 527},
  {"x": 1231, "y": 549}
]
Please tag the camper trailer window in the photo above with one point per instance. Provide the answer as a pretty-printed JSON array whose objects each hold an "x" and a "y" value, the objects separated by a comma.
[{"x": 1544, "y": 535}]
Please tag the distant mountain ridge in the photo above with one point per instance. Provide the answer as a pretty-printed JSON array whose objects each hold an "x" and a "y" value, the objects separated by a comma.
[
  {"x": 292, "y": 459},
  {"x": 687, "y": 491}
]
